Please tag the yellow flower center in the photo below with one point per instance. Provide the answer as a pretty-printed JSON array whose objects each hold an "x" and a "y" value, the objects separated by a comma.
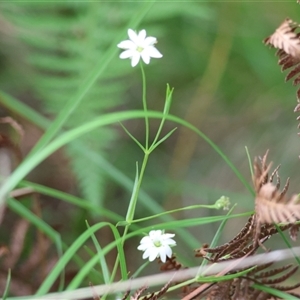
[
  {"x": 140, "y": 49},
  {"x": 157, "y": 243}
]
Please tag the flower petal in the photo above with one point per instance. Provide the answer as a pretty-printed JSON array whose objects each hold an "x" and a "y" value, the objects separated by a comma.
[
  {"x": 126, "y": 45},
  {"x": 133, "y": 36},
  {"x": 153, "y": 254},
  {"x": 157, "y": 243},
  {"x": 162, "y": 254},
  {"x": 143, "y": 247},
  {"x": 126, "y": 54},
  {"x": 169, "y": 242},
  {"x": 146, "y": 254},
  {"x": 146, "y": 239},
  {"x": 153, "y": 52},
  {"x": 168, "y": 235},
  {"x": 168, "y": 251},
  {"x": 135, "y": 59},
  {"x": 142, "y": 35},
  {"x": 150, "y": 41},
  {"x": 145, "y": 57},
  {"x": 155, "y": 233},
  {"x": 140, "y": 46}
]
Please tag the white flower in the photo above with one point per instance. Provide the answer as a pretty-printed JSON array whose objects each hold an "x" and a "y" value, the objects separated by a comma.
[
  {"x": 157, "y": 244},
  {"x": 139, "y": 46}
]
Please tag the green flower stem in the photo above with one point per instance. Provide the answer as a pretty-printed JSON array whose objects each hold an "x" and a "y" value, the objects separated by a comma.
[
  {"x": 145, "y": 107},
  {"x": 214, "y": 206},
  {"x": 132, "y": 204},
  {"x": 131, "y": 209},
  {"x": 139, "y": 175},
  {"x": 147, "y": 152}
]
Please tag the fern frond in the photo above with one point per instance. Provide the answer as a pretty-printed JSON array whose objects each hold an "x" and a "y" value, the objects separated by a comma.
[
  {"x": 270, "y": 206},
  {"x": 171, "y": 264},
  {"x": 294, "y": 231},
  {"x": 285, "y": 38},
  {"x": 232, "y": 244},
  {"x": 155, "y": 295},
  {"x": 63, "y": 44},
  {"x": 277, "y": 271},
  {"x": 138, "y": 293}
]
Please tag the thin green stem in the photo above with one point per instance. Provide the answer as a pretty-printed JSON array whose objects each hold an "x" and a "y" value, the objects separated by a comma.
[
  {"x": 249, "y": 160},
  {"x": 213, "y": 206},
  {"x": 131, "y": 209},
  {"x": 132, "y": 205},
  {"x": 139, "y": 175},
  {"x": 145, "y": 107}
]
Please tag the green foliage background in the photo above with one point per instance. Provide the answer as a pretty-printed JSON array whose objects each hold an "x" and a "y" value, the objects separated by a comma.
[{"x": 227, "y": 83}]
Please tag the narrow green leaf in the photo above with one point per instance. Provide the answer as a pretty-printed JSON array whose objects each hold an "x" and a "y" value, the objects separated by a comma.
[
  {"x": 7, "y": 285},
  {"x": 162, "y": 139},
  {"x": 102, "y": 261},
  {"x": 133, "y": 138}
]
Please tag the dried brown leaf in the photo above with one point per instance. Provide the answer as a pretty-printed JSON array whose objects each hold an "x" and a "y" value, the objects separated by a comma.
[
  {"x": 271, "y": 207},
  {"x": 171, "y": 264},
  {"x": 138, "y": 293},
  {"x": 294, "y": 232},
  {"x": 17, "y": 243},
  {"x": 285, "y": 38},
  {"x": 3, "y": 251}
]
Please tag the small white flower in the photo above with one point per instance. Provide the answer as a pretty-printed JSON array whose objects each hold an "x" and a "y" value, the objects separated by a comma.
[
  {"x": 157, "y": 244},
  {"x": 139, "y": 46}
]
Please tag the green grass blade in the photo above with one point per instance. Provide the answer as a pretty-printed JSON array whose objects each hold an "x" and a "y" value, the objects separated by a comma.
[
  {"x": 71, "y": 135},
  {"x": 272, "y": 291},
  {"x": 22, "y": 211},
  {"x": 23, "y": 110},
  {"x": 7, "y": 285},
  {"x": 90, "y": 264},
  {"x": 287, "y": 242},
  {"x": 67, "y": 256},
  {"x": 102, "y": 261},
  {"x": 217, "y": 235},
  {"x": 79, "y": 202}
]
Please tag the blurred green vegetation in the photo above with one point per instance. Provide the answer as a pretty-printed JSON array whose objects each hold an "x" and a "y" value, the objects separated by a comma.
[{"x": 227, "y": 84}]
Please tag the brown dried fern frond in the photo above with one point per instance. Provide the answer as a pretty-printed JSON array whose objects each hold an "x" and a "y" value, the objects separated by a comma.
[
  {"x": 171, "y": 264},
  {"x": 285, "y": 38},
  {"x": 241, "y": 287},
  {"x": 138, "y": 293},
  {"x": 271, "y": 204},
  {"x": 155, "y": 295},
  {"x": 262, "y": 177},
  {"x": 272, "y": 277},
  {"x": 272, "y": 207},
  {"x": 287, "y": 41},
  {"x": 265, "y": 276},
  {"x": 294, "y": 231},
  {"x": 236, "y": 245},
  {"x": 219, "y": 291}
]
